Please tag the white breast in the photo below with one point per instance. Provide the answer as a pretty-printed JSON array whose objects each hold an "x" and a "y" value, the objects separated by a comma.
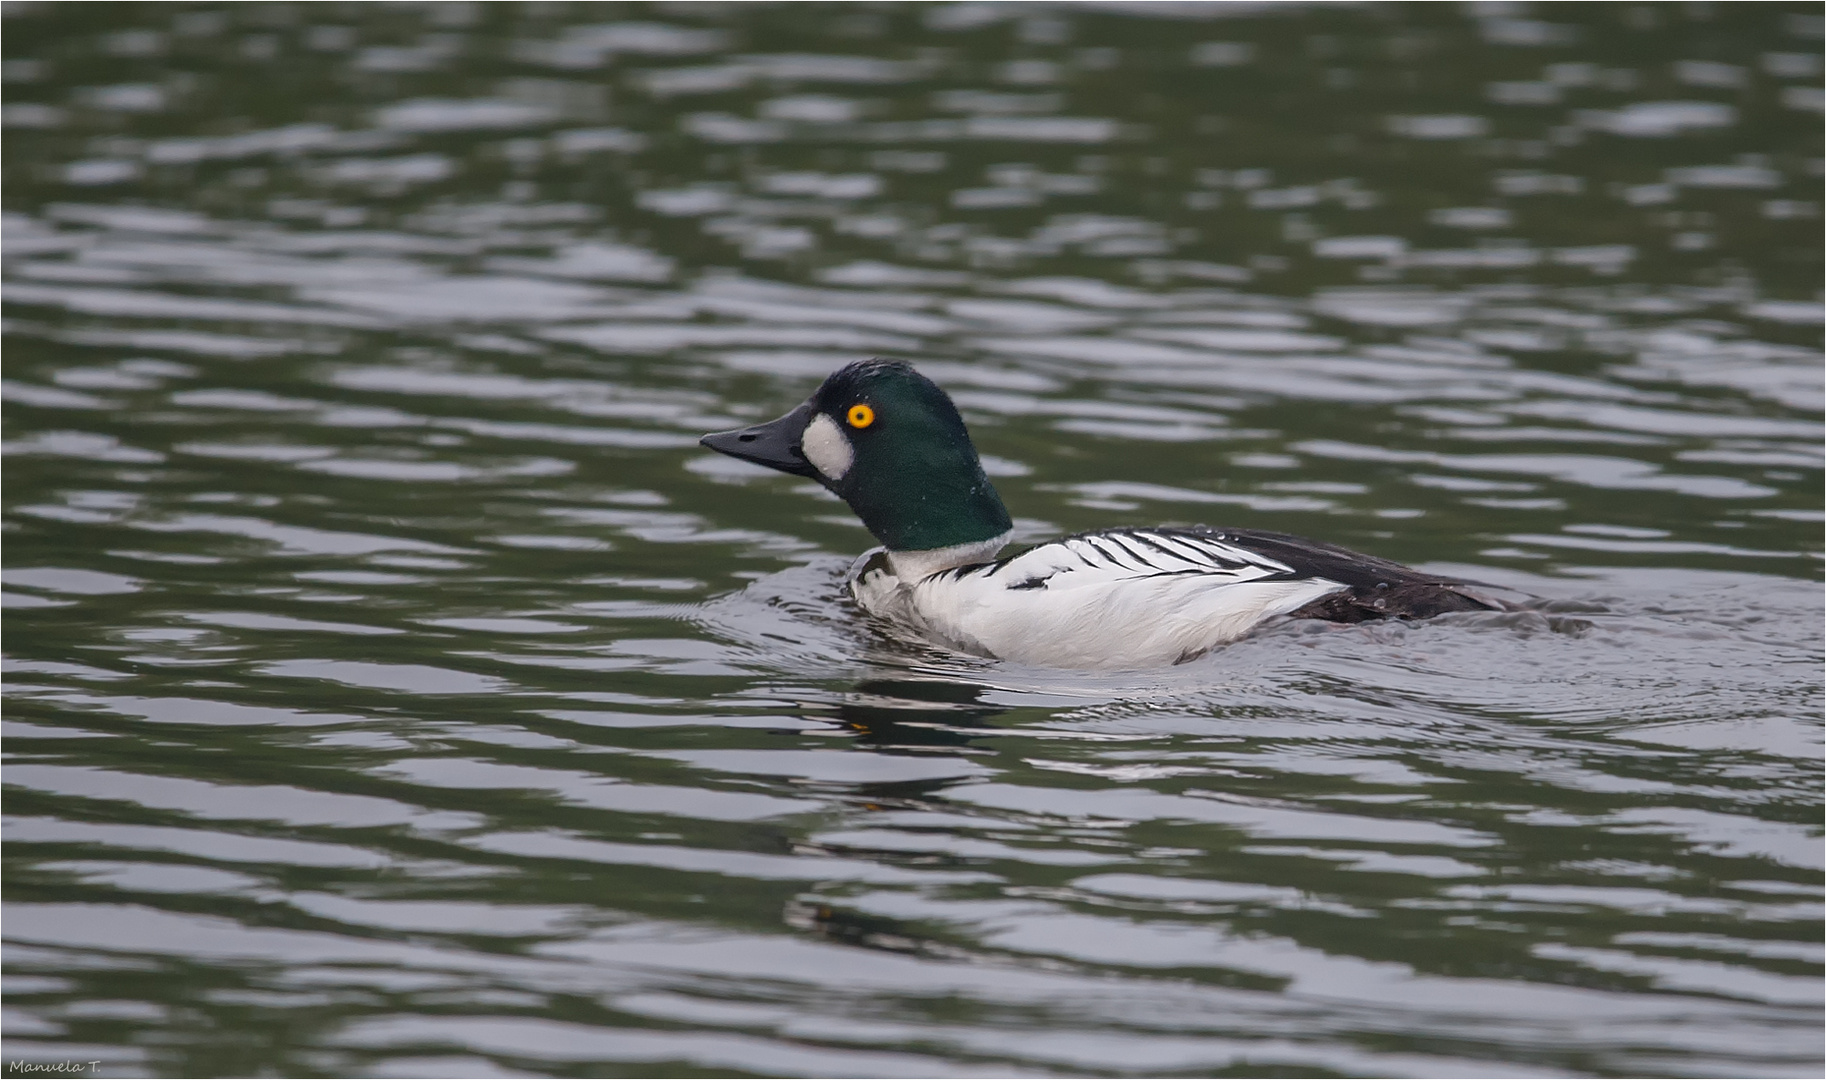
[{"x": 1119, "y": 599}]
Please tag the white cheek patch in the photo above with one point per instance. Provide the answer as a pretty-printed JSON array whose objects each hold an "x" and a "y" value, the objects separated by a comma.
[{"x": 827, "y": 447}]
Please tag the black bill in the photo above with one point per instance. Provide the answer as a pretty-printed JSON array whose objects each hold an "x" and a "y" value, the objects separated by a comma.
[{"x": 774, "y": 444}]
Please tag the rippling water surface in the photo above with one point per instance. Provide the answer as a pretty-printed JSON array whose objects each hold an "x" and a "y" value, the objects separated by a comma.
[{"x": 394, "y": 688}]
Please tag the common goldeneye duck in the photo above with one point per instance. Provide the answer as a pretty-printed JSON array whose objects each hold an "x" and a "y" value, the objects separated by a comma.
[{"x": 891, "y": 444}]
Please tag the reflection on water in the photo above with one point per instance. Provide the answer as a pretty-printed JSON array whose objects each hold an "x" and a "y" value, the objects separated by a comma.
[{"x": 394, "y": 688}]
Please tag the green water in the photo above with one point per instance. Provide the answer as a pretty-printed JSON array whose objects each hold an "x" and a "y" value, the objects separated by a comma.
[{"x": 394, "y": 688}]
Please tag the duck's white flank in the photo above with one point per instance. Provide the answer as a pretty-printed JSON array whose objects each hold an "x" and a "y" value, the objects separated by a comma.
[{"x": 1126, "y": 598}]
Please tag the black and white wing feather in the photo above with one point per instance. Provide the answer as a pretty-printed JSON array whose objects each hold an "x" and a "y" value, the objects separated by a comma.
[{"x": 1132, "y": 555}]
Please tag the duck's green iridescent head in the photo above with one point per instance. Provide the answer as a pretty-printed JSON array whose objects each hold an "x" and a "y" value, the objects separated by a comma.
[{"x": 890, "y": 443}]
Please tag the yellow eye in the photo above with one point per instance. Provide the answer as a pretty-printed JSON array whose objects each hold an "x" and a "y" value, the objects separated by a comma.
[{"x": 861, "y": 416}]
